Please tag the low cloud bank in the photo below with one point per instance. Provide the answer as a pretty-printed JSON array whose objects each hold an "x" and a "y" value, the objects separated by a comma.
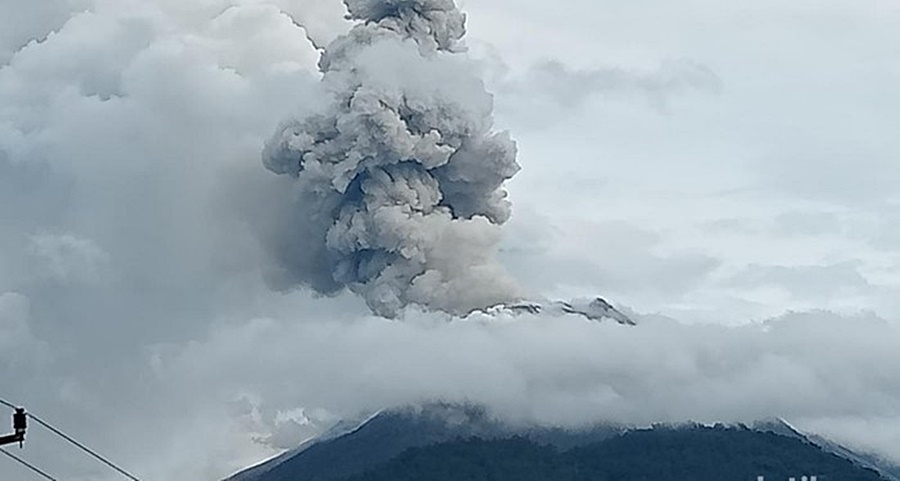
[{"x": 810, "y": 369}]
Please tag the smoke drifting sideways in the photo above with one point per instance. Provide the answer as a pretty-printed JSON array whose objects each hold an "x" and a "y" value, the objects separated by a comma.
[{"x": 399, "y": 178}]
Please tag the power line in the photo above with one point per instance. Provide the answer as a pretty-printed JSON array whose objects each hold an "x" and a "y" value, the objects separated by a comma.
[
  {"x": 83, "y": 447},
  {"x": 75, "y": 443},
  {"x": 28, "y": 465}
]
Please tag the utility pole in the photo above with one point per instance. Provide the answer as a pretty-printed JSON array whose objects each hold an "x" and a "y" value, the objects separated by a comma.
[{"x": 20, "y": 424}]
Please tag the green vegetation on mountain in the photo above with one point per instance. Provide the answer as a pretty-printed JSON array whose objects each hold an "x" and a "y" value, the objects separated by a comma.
[{"x": 660, "y": 454}]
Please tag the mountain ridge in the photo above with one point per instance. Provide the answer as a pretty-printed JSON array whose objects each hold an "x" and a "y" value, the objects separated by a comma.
[{"x": 386, "y": 436}]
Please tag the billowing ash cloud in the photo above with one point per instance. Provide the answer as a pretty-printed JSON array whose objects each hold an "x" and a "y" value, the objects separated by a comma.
[{"x": 400, "y": 177}]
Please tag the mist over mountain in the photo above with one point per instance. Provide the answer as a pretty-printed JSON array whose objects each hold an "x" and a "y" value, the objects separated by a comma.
[{"x": 442, "y": 441}]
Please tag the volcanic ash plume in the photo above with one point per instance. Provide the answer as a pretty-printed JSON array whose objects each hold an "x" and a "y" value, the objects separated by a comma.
[{"x": 400, "y": 178}]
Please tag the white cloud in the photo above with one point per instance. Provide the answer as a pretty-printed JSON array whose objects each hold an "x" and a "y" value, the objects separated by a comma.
[
  {"x": 808, "y": 368},
  {"x": 24, "y": 22},
  {"x": 124, "y": 136}
]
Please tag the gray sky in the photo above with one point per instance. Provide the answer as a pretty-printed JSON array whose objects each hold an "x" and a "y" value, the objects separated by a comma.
[{"x": 729, "y": 165}]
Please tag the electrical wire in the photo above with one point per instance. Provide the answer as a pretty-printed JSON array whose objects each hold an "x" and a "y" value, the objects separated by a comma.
[
  {"x": 28, "y": 465},
  {"x": 75, "y": 443},
  {"x": 83, "y": 447}
]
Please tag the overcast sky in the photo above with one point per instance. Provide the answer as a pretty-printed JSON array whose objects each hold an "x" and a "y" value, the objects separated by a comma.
[{"x": 724, "y": 170}]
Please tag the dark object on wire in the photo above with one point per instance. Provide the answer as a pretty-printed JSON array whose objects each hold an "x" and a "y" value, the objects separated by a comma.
[{"x": 20, "y": 424}]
